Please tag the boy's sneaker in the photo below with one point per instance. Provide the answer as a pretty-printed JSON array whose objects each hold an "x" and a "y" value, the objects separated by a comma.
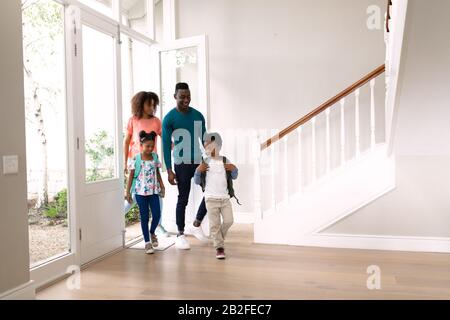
[
  {"x": 182, "y": 243},
  {"x": 198, "y": 233},
  {"x": 220, "y": 253},
  {"x": 154, "y": 240},
  {"x": 161, "y": 231},
  {"x": 149, "y": 248}
]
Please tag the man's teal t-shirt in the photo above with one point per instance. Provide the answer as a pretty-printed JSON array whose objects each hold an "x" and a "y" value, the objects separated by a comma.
[{"x": 185, "y": 129}]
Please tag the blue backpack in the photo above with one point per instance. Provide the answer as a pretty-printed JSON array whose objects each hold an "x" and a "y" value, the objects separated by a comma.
[{"x": 138, "y": 168}]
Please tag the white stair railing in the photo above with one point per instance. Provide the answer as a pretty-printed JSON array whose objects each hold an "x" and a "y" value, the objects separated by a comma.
[{"x": 279, "y": 179}]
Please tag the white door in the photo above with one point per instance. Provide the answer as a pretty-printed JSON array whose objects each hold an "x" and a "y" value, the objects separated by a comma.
[
  {"x": 183, "y": 60},
  {"x": 97, "y": 127}
]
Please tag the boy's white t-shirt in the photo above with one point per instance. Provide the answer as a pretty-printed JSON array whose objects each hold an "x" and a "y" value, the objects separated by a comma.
[{"x": 216, "y": 182}]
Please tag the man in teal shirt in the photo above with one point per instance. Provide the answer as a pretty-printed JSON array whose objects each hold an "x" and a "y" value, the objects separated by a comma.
[{"x": 186, "y": 126}]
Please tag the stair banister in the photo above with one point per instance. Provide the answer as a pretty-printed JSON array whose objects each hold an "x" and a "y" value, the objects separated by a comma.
[{"x": 351, "y": 89}]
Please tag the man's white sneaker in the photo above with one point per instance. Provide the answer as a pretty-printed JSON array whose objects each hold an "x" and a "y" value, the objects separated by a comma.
[
  {"x": 182, "y": 243},
  {"x": 198, "y": 233},
  {"x": 149, "y": 248}
]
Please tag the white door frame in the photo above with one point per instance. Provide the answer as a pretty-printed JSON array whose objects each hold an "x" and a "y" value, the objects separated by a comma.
[
  {"x": 80, "y": 17},
  {"x": 201, "y": 43},
  {"x": 56, "y": 268}
]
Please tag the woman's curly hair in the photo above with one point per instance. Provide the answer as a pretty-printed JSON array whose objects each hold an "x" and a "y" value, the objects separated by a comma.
[{"x": 138, "y": 101}]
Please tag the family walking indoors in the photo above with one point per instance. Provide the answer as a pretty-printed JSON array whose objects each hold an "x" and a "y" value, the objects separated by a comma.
[{"x": 183, "y": 130}]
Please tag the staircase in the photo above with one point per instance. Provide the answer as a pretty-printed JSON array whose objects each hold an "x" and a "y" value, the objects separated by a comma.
[{"x": 326, "y": 165}]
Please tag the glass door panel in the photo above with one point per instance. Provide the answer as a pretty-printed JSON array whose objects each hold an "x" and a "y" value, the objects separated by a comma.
[
  {"x": 99, "y": 105},
  {"x": 46, "y": 130},
  {"x": 184, "y": 60},
  {"x": 98, "y": 126}
]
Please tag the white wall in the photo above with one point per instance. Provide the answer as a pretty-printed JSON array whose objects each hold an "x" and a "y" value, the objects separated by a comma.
[
  {"x": 420, "y": 204},
  {"x": 271, "y": 62},
  {"x": 14, "y": 256}
]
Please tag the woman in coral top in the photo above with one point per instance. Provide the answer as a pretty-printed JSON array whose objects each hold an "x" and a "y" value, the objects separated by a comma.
[{"x": 143, "y": 108}]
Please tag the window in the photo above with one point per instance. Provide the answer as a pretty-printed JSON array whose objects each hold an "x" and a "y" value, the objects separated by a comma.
[
  {"x": 137, "y": 15},
  {"x": 46, "y": 139},
  {"x": 137, "y": 71},
  {"x": 103, "y": 6},
  {"x": 99, "y": 105}
]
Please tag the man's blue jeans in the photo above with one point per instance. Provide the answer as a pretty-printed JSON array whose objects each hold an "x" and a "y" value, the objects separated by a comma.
[{"x": 185, "y": 173}]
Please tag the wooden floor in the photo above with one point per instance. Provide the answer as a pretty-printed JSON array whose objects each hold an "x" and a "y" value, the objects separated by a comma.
[{"x": 254, "y": 271}]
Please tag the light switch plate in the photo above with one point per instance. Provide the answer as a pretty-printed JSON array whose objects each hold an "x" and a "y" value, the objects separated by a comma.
[{"x": 10, "y": 164}]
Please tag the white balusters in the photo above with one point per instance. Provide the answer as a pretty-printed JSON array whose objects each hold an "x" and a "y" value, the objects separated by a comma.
[
  {"x": 313, "y": 149},
  {"x": 357, "y": 131},
  {"x": 372, "y": 113},
  {"x": 257, "y": 175},
  {"x": 386, "y": 110},
  {"x": 300, "y": 172},
  {"x": 286, "y": 170},
  {"x": 328, "y": 142},
  {"x": 273, "y": 150},
  {"x": 279, "y": 167},
  {"x": 342, "y": 132}
]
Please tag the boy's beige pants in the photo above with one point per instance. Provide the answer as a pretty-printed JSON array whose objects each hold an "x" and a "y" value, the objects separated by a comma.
[{"x": 217, "y": 209}]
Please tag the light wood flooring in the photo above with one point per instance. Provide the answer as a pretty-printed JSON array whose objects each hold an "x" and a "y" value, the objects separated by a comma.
[{"x": 254, "y": 271}]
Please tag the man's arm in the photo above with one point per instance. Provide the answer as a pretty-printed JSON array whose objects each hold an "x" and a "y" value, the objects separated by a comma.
[
  {"x": 203, "y": 125},
  {"x": 167, "y": 131}
]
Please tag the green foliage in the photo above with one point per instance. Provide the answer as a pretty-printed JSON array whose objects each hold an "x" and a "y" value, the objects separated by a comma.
[
  {"x": 61, "y": 203},
  {"x": 58, "y": 207},
  {"x": 132, "y": 216},
  {"x": 100, "y": 150},
  {"x": 51, "y": 212}
]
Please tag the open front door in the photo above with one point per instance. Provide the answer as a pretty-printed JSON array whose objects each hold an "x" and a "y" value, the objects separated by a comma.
[
  {"x": 97, "y": 125},
  {"x": 183, "y": 60}
]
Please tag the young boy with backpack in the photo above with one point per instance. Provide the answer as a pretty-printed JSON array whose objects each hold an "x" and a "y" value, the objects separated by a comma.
[{"x": 215, "y": 175}]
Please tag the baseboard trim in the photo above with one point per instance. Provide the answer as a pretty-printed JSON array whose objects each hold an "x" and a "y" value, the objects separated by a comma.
[
  {"x": 26, "y": 291},
  {"x": 378, "y": 242}
]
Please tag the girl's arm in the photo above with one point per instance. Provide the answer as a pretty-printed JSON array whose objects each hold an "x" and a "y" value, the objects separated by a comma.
[
  {"x": 129, "y": 183},
  {"x": 161, "y": 183},
  {"x": 160, "y": 180},
  {"x": 126, "y": 147}
]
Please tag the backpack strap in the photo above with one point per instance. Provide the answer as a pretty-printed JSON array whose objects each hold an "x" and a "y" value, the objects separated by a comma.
[
  {"x": 230, "y": 182},
  {"x": 203, "y": 178},
  {"x": 137, "y": 170}
]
